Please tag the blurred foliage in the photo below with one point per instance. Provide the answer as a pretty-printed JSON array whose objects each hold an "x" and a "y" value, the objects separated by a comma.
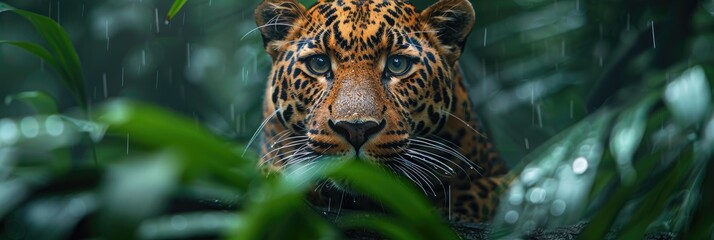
[{"x": 603, "y": 108}]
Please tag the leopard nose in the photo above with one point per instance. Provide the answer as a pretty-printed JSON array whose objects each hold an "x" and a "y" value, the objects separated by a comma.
[{"x": 357, "y": 132}]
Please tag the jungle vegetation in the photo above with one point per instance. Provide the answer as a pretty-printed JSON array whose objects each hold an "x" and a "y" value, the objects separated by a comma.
[{"x": 116, "y": 124}]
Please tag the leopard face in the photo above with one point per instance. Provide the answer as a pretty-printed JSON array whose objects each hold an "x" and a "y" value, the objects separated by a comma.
[
  {"x": 377, "y": 80},
  {"x": 362, "y": 78}
]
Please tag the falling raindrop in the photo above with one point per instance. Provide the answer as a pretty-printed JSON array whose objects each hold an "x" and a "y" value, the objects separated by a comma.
[
  {"x": 527, "y": 144},
  {"x": 156, "y": 17},
  {"x": 127, "y": 144},
  {"x": 106, "y": 32},
  {"x": 654, "y": 44},
  {"x": 157, "y": 80},
  {"x": 104, "y": 81},
  {"x": 143, "y": 57},
  {"x": 485, "y": 34},
  {"x": 540, "y": 117},
  {"x": 58, "y": 12},
  {"x": 188, "y": 54},
  {"x": 233, "y": 112},
  {"x": 122, "y": 76}
]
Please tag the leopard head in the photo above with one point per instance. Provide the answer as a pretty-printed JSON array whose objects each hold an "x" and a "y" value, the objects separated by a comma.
[{"x": 360, "y": 78}]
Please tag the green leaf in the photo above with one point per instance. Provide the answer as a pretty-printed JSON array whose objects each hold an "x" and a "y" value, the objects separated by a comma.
[
  {"x": 34, "y": 49},
  {"x": 136, "y": 190},
  {"x": 12, "y": 193},
  {"x": 627, "y": 134},
  {"x": 54, "y": 217},
  {"x": 194, "y": 224},
  {"x": 411, "y": 206},
  {"x": 603, "y": 220},
  {"x": 656, "y": 198},
  {"x": 40, "y": 101},
  {"x": 269, "y": 204},
  {"x": 175, "y": 8},
  {"x": 157, "y": 128},
  {"x": 64, "y": 58},
  {"x": 553, "y": 187}
]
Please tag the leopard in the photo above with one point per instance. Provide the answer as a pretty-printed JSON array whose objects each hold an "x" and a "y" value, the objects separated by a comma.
[{"x": 378, "y": 81}]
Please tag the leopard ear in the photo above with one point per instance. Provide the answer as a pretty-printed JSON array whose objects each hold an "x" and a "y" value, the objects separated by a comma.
[
  {"x": 453, "y": 20},
  {"x": 275, "y": 19}
]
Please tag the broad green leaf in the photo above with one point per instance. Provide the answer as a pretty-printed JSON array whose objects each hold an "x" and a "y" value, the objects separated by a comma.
[
  {"x": 269, "y": 204},
  {"x": 656, "y": 198},
  {"x": 136, "y": 190},
  {"x": 627, "y": 134},
  {"x": 281, "y": 198},
  {"x": 58, "y": 215},
  {"x": 606, "y": 215},
  {"x": 65, "y": 60},
  {"x": 95, "y": 130},
  {"x": 39, "y": 101},
  {"x": 411, "y": 206},
  {"x": 34, "y": 49},
  {"x": 156, "y": 128},
  {"x": 175, "y": 8},
  {"x": 12, "y": 193},
  {"x": 553, "y": 187},
  {"x": 194, "y": 224}
]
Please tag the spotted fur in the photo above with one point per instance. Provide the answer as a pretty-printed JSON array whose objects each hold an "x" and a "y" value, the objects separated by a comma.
[{"x": 419, "y": 124}]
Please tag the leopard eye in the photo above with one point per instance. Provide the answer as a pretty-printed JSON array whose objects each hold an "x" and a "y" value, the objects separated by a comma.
[
  {"x": 318, "y": 64},
  {"x": 398, "y": 65}
]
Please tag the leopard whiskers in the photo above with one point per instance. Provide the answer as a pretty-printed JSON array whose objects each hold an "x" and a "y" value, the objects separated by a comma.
[
  {"x": 409, "y": 176},
  {"x": 430, "y": 159},
  {"x": 450, "y": 150},
  {"x": 420, "y": 172},
  {"x": 257, "y": 131},
  {"x": 423, "y": 169},
  {"x": 465, "y": 123},
  {"x": 425, "y": 142},
  {"x": 296, "y": 143},
  {"x": 279, "y": 136}
]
